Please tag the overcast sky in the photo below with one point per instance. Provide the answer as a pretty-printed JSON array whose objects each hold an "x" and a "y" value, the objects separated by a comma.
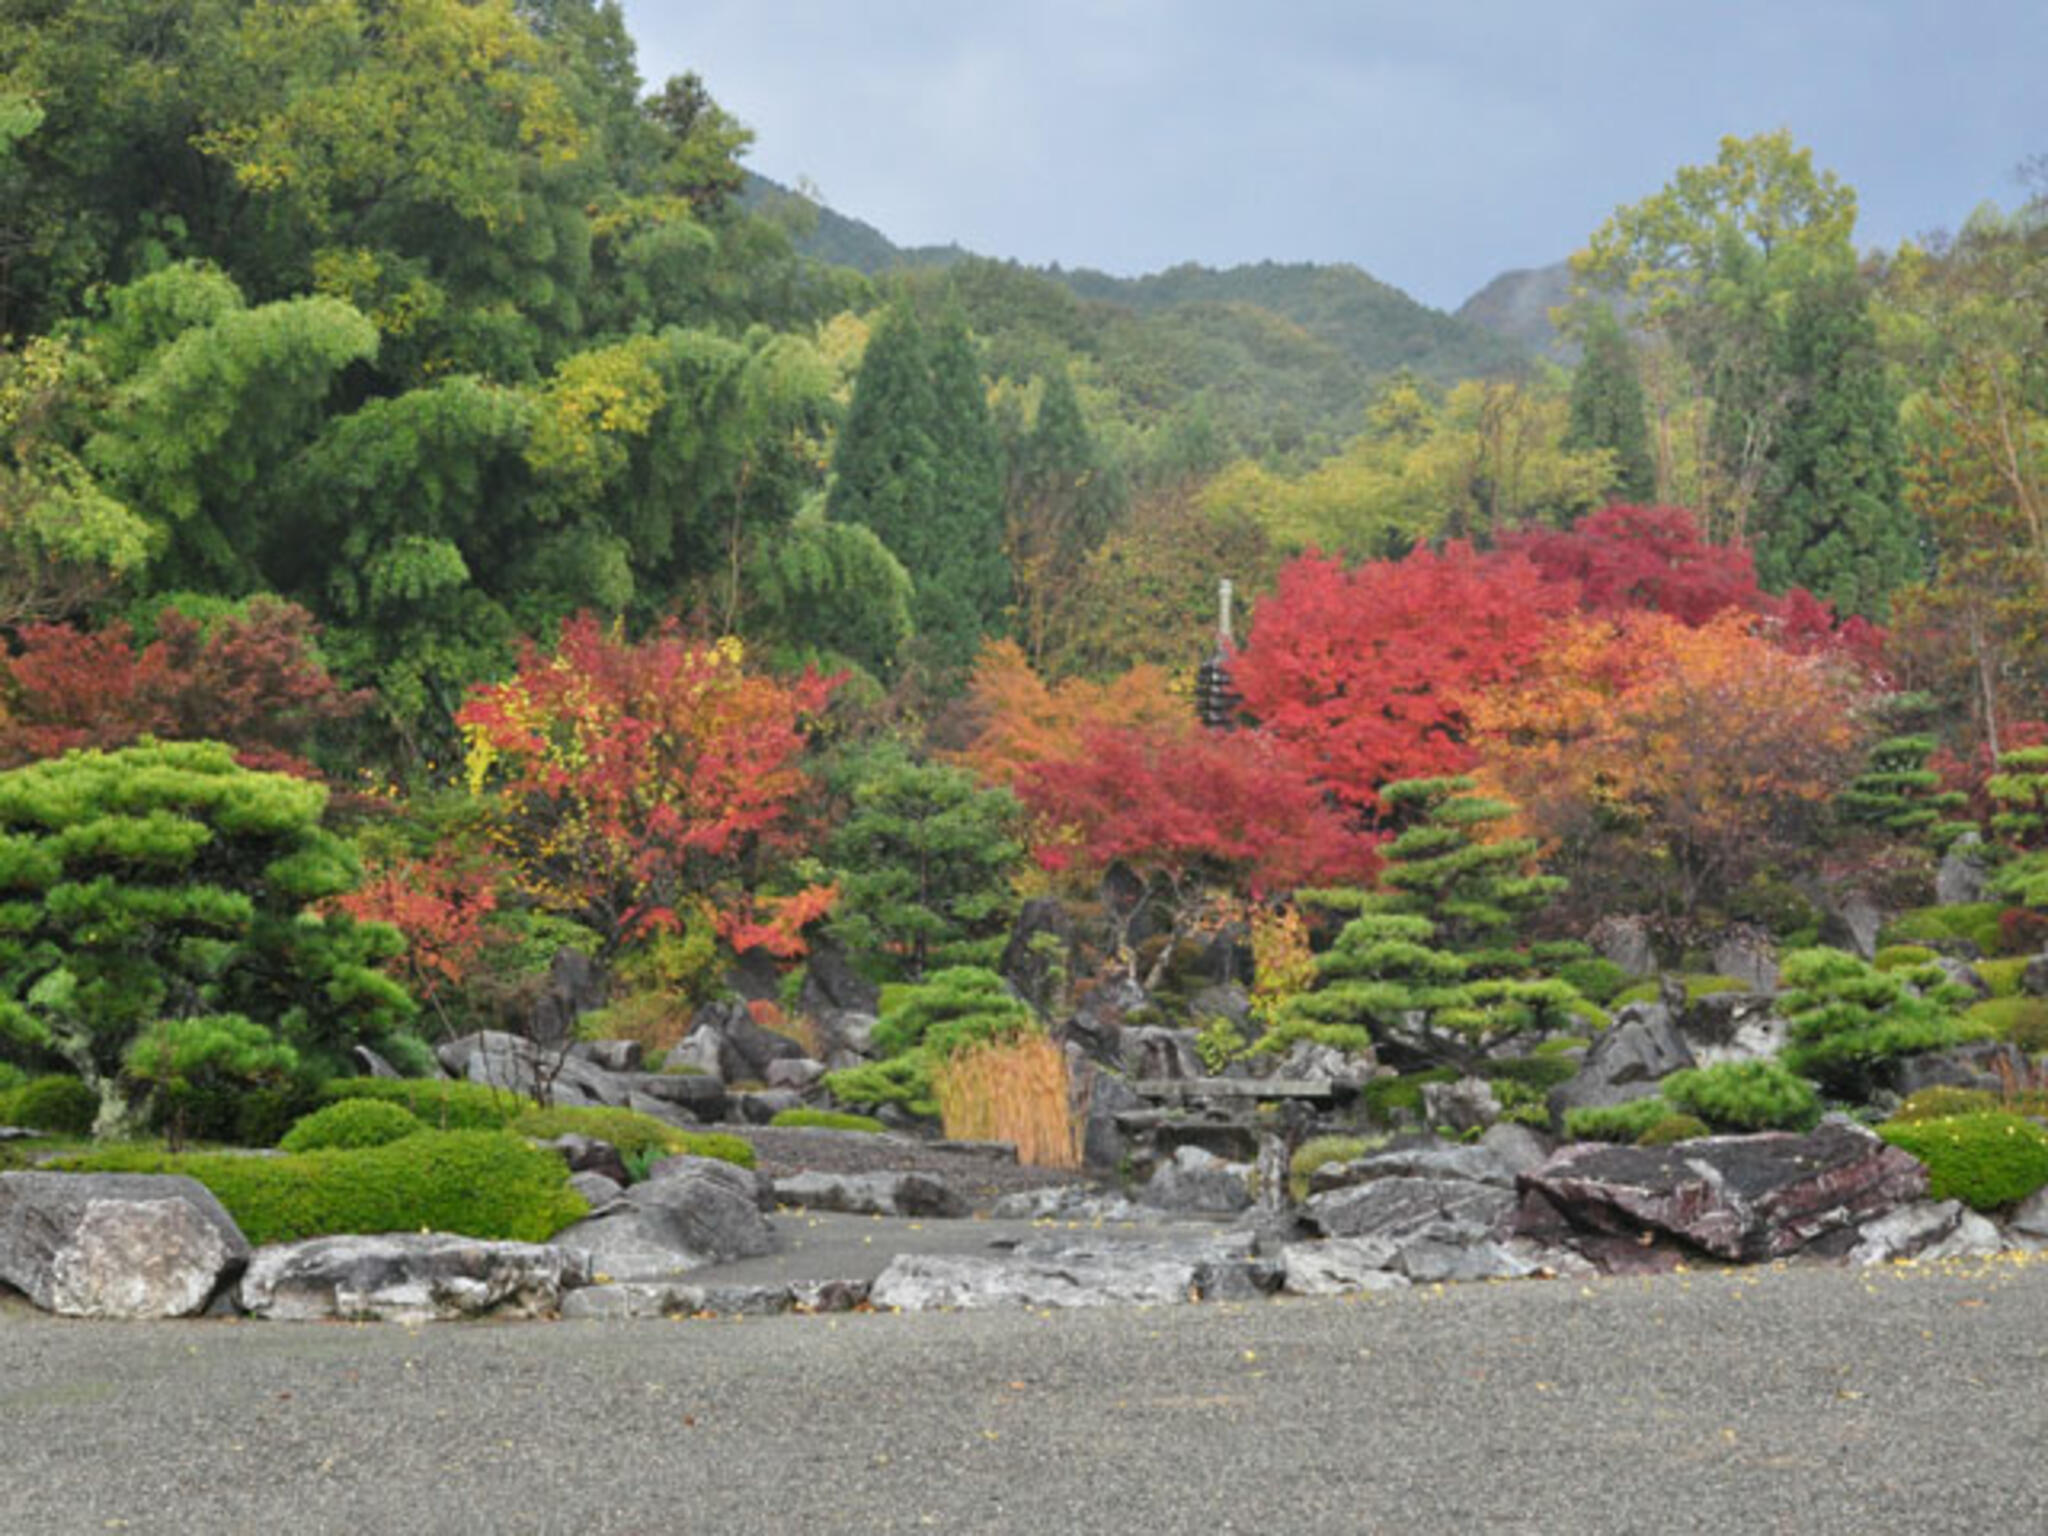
[{"x": 1435, "y": 143}]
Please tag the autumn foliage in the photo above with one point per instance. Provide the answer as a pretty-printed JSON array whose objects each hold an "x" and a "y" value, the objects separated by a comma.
[
  {"x": 252, "y": 679},
  {"x": 1688, "y": 755},
  {"x": 1364, "y": 676},
  {"x": 639, "y": 785}
]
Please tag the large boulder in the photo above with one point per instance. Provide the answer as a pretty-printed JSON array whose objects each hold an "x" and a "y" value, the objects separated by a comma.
[
  {"x": 873, "y": 1194},
  {"x": 517, "y": 1065},
  {"x": 409, "y": 1277},
  {"x": 1964, "y": 874},
  {"x": 1627, "y": 1061},
  {"x": 117, "y": 1245},
  {"x": 688, "y": 1212},
  {"x": 1043, "y": 953},
  {"x": 1198, "y": 1183},
  {"x": 1625, "y": 941},
  {"x": 1732, "y": 1026},
  {"x": 745, "y": 1048},
  {"x": 1063, "y": 1271},
  {"x": 1447, "y": 1210},
  {"x": 1745, "y": 1198},
  {"x": 1748, "y": 955},
  {"x": 696, "y": 1097},
  {"x": 1926, "y": 1230}
]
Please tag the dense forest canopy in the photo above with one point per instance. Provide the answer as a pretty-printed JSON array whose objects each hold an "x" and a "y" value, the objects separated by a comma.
[{"x": 405, "y": 393}]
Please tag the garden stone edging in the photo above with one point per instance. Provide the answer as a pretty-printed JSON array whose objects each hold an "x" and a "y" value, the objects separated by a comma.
[{"x": 409, "y": 1277}]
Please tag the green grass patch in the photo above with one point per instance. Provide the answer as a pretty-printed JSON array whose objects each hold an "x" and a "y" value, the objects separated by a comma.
[
  {"x": 1988, "y": 1161},
  {"x": 488, "y": 1184},
  {"x": 1973, "y": 922},
  {"x": 439, "y": 1103},
  {"x": 634, "y": 1134},
  {"x": 2022, "y": 1020},
  {"x": 826, "y": 1120},
  {"x": 2003, "y": 977}
]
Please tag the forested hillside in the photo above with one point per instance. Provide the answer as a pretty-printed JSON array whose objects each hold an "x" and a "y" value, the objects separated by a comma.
[{"x": 484, "y": 534}]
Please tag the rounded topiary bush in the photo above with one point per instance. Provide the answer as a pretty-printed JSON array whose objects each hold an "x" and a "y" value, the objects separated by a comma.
[
  {"x": 2022, "y": 1020},
  {"x": 63, "y": 1106},
  {"x": 1988, "y": 1161},
  {"x": 351, "y": 1123},
  {"x": 1744, "y": 1096},
  {"x": 488, "y": 1184},
  {"x": 826, "y": 1120}
]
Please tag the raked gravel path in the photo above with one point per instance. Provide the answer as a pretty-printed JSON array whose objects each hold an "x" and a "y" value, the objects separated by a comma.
[{"x": 1805, "y": 1400}]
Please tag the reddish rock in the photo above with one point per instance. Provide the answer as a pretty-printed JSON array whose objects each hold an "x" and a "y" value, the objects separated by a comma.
[{"x": 1746, "y": 1198}]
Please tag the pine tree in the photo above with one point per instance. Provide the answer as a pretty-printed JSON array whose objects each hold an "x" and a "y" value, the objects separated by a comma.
[
  {"x": 1838, "y": 524},
  {"x": 1898, "y": 792},
  {"x": 1607, "y": 408}
]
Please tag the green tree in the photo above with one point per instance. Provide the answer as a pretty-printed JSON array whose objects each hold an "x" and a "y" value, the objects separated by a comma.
[
  {"x": 831, "y": 592},
  {"x": 924, "y": 861},
  {"x": 162, "y": 883},
  {"x": 1608, "y": 409},
  {"x": 1837, "y": 522}
]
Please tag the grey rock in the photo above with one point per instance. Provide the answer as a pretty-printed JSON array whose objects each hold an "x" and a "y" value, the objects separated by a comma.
[
  {"x": 1109, "y": 1094},
  {"x": 1964, "y": 872},
  {"x": 2034, "y": 980},
  {"x": 1733, "y": 1026},
  {"x": 1747, "y": 955},
  {"x": 689, "y": 1212},
  {"x": 744, "y": 1047},
  {"x": 1626, "y": 1062},
  {"x": 1982, "y": 1064},
  {"x": 598, "y": 1191},
  {"x": 370, "y": 1064},
  {"x": 699, "y": 1053},
  {"x": 831, "y": 984},
  {"x": 1196, "y": 1182},
  {"x": 408, "y": 1277},
  {"x": 1519, "y": 1147},
  {"x": 2030, "y": 1216},
  {"x": 1310, "y": 1061},
  {"x": 848, "y": 1039},
  {"x": 1851, "y": 920},
  {"x": 1062, "y": 1272},
  {"x": 763, "y": 1105},
  {"x": 1925, "y": 1229},
  {"x": 1745, "y": 1198},
  {"x": 873, "y": 1194},
  {"x": 621, "y": 1300},
  {"x": 1433, "y": 1261},
  {"x": 796, "y": 1073},
  {"x": 1475, "y": 1163},
  {"x": 1625, "y": 941},
  {"x": 575, "y": 986},
  {"x": 1153, "y": 1052},
  {"x": 611, "y": 1055},
  {"x": 1468, "y": 1104},
  {"x": 1962, "y": 974},
  {"x": 1398, "y": 1207},
  {"x": 1222, "y": 1000},
  {"x": 516, "y": 1065},
  {"x": 116, "y": 1245},
  {"x": 748, "y": 1183},
  {"x": 1068, "y": 1202},
  {"x": 1340, "y": 1266},
  {"x": 1040, "y": 958},
  {"x": 697, "y": 1097},
  {"x": 586, "y": 1154}
]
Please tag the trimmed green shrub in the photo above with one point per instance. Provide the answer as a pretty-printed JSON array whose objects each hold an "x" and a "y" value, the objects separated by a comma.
[
  {"x": 63, "y": 1106},
  {"x": 1848, "y": 1018},
  {"x": 1744, "y": 1096},
  {"x": 2022, "y": 1020},
  {"x": 1616, "y": 1122},
  {"x": 905, "y": 1080},
  {"x": 487, "y": 1184},
  {"x": 439, "y": 1103},
  {"x": 1974, "y": 923},
  {"x": 1892, "y": 956},
  {"x": 1697, "y": 985},
  {"x": 826, "y": 1120},
  {"x": 633, "y": 1133},
  {"x": 1945, "y": 1101},
  {"x": 1389, "y": 1098},
  {"x": 1597, "y": 980},
  {"x": 1318, "y": 1151},
  {"x": 2003, "y": 977},
  {"x": 351, "y": 1123},
  {"x": 1987, "y": 1161},
  {"x": 11, "y": 1077},
  {"x": 727, "y": 1149},
  {"x": 1672, "y": 1129}
]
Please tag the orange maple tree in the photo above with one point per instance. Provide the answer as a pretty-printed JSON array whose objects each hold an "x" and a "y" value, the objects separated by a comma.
[
  {"x": 1688, "y": 756},
  {"x": 637, "y": 785}
]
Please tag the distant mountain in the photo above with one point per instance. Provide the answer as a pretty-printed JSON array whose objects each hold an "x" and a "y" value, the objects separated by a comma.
[
  {"x": 1517, "y": 305},
  {"x": 1375, "y": 328}
]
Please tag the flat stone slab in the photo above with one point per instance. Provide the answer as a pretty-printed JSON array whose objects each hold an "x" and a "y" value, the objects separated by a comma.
[
  {"x": 408, "y": 1277},
  {"x": 1311, "y": 1090}
]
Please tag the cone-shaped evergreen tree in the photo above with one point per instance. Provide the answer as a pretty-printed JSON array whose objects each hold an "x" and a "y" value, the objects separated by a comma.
[{"x": 1607, "y": 409}]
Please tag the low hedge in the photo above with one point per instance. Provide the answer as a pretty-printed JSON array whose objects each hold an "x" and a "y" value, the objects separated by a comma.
[
  {"x": 1744, "y": 1096},
  {"x": 488, "y": 1184},
  {"x": 439, "y": 1103},
  {"x": 637, "y": 1136},
  {"x": 1616, "y": 1122},
  {"x": 1988, "y": 1161}
]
